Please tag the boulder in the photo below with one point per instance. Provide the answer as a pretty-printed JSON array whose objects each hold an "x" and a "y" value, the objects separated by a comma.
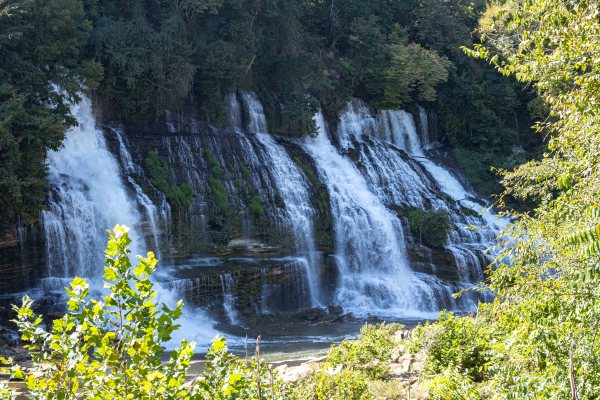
[
  {"x": 312, "y": 314},
  {"x": 294, "y": 373}
]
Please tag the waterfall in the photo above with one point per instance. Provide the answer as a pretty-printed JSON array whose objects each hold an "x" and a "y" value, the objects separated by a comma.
[
  {"x": 448, "y": 182},
  {"x": 155, "y": 216},
  {"x": 375, "y": 277},
  {"x": 375, "y": 167},
  {"x": 227, "y": 283},
  {"x": 391, "y": 156},
  {"x": 292, "y": 186},
  {"x": 88, "y": 197}
]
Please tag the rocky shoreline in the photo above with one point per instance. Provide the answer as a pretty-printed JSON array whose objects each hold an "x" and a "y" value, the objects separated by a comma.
[{"x": 401, "y": 382}]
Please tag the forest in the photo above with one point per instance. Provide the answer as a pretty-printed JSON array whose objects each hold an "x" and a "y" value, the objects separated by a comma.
[
  {"x": 516, "y": 88},
  {"x": 140, "y": 58}
]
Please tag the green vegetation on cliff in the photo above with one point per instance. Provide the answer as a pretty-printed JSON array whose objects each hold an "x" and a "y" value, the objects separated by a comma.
[
  {"x": 430, "y": 227},
  {"x": 216, "y": 183},
  {"x": 159, "y": 174}
]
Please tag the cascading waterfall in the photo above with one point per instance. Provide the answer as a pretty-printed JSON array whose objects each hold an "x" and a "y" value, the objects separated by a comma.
[
  {"x": 416, "y": 181},
  {"x": 292, "y": 186},
  {"x": 89, "y": 197},
  {"x": 374, "y": 166},
  {"x": 375, "y": 277},
  {"x": 156, "y": 216}
]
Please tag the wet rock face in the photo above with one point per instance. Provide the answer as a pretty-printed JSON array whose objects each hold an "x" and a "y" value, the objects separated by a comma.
[
  {"x": 237, "y": 209},
  {"x": 22, "y": 261},
  {"x": 433, "y": 261},
  {"x": 233, "y": 193},
  {"x": 244, "y": 290}
]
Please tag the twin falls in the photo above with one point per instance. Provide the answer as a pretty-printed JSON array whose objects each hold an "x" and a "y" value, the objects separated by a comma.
[{"x": 361, "y": 218}]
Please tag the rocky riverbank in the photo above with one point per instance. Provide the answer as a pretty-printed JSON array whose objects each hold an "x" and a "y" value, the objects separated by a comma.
[{"x": 397, "y": 376}]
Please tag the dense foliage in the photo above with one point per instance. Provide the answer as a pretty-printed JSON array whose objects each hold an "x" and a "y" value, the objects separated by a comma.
[
  {"x": 143, "y": 57},
  {"x": 160, "y": 176},
  {"x": 541, "y": 340},
  {"x": 358, "y": 369},
  {"x": 430, "y": 227},
  {"x": 371, "y": 353}
]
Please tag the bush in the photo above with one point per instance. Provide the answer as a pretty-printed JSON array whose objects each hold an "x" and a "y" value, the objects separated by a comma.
[
  {"x": 229, "y": 377},
  {"x": 346, "y": 385},
  {"x": 216, "y": 182},
  {"x": 371, "y": 352},
  {"x": 452, "y": 385},
  {"x": 111, "y": 348},
  {"x": 257, "y": 207},
  {"x": 460, "y": 343},
  {"x": 219, "y": 193},
  {"x": 158, "y": 171},
  {"x": 429, "y": 226}
]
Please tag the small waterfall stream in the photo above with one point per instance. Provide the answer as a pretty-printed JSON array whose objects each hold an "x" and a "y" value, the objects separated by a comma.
[{"x": 292, "y": 186}]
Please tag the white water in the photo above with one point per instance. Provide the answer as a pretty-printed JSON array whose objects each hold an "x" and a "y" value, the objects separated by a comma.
[
  {"x": 89, "y": 197},
  {"x": 365, "y": 178},
  {"x": 292, "y": 186},
  {"x": 156, "y": 217},
  {"x": 408, "y": 140},
  {"x": 227, "y": 283},
  {"x": 375, "y": 277},
  {"x": 416, "y": 181}
]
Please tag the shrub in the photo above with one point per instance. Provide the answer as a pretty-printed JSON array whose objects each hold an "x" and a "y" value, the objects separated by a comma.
[
  {"x": 257, "y": 207},
  {"x": 219, "y": 193},
  {"x": 111, "y": 348},
  {"x": 452, "y": 385},
  {"x": 158, "y": 172},
  {"x": 246, "y": 173},
  {"x": 216, "y": 183},
  {"x": 461, "y": 343},
  {"x": 228, "y": 377},
  {"x": 371, "y": 352},
  {"x": 181, "y": 194},
  {"x": 346, "y": 385}
]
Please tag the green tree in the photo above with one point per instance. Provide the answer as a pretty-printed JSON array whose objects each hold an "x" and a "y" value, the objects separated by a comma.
[
  {"x": 553, "y": 282},
  {"x": 414, "y": 73},
  {"x": 148, "y": 69}
]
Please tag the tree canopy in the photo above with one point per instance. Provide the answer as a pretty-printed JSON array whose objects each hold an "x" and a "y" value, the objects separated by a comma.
[{"x": 40, "y": 43}]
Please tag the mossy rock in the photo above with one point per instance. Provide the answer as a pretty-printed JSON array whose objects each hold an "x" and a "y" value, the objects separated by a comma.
[
  {"x": 257, "y": 208},
  {"x": 429, "y": 226}
]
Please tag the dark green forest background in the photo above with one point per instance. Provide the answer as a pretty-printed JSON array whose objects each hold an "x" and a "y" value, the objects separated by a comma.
[{"x": 139, "y": 58}]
